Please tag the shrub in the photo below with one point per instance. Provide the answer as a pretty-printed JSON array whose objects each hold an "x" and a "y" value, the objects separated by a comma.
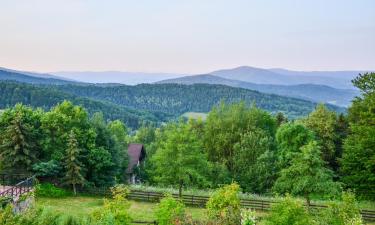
[
  {"x": 288, "y": 212},
  {"x": 170, "y": 211},
  {"x": 248, "y": 217},
  {"x": 49, "y": 190},
  {"x": 343, "y": 212},
  {"x": 4, "y": 201},
  {"x": 114, "y": 211},
  {"x": 224, "y": 205}
]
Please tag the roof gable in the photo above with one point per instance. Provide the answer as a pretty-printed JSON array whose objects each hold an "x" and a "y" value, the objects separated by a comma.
[{"x": 136, "y": 153}]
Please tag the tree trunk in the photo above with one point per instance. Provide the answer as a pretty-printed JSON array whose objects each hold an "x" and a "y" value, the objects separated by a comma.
[
  {"x": 74, "y": 189},
  {"x": 180, "y": 189}
]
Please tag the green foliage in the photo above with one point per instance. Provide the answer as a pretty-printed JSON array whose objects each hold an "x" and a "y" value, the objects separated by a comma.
[
  {"x": 47, "y": 169},
  {"x": 114, "y": 211},
  {"x": 20, "y": 136},
  {"x": 365, "y": 82},
  {"x": 288, "y": 212},
  {"x": 226, "y": 124},
  {"x": 170, "y": 211},
  {"x": 248, "y": 217},
  {"x": 342, "y": 212},
  {"x": 179, "y": 159},
  {"x": 290, "y": 138},
  {"x": 50, "y": 190},
  {"x": 358, "y": 159},
  {"x": 323, "y": 123},
  {"x": 73, "y": 173},
  {"x": 306, "y": 175},
  {"x": 224, "y": 205},
  {"x": 252, "y": 162}
]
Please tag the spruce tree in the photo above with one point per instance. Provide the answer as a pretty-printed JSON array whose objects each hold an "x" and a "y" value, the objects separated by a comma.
[
  {"x": 18, "y": 148},
  {"x": 73, "y": 175}
]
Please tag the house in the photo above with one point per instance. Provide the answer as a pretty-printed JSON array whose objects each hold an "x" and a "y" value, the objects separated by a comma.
[{"x": 137, "y": 155}]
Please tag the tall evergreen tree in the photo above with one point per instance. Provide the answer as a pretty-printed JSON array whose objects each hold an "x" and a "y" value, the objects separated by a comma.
[
  {"x": 18, "y": 147},
  {"x": 73, "y": 166}
]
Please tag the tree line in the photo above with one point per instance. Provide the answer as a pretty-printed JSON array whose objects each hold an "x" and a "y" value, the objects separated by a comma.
[{"x": 315, "y": 156}]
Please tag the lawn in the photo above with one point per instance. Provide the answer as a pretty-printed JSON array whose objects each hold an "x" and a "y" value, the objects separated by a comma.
[
  {"x": 82, "y": 206},
  {"x": 141, "y": 211}
]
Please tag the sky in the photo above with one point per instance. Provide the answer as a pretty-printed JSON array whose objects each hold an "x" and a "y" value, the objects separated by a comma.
[{"x": 191, "y": 36}]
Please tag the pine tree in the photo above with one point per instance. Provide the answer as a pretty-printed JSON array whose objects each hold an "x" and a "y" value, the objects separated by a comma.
[
  {"x": 73, "y": 175},
  {"x": 17, "y": 149}
]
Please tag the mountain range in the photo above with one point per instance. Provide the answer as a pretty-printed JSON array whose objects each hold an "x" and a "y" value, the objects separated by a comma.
[
  {"x": 156, "y": 102},
  {"x": 312, "y": 92},
  {"x": 333, "y": 87}
]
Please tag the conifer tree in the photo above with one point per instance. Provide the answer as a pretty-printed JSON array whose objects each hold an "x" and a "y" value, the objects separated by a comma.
[
  {"x": 73, "y": 175},
  {"x": 17, "y": 148}
]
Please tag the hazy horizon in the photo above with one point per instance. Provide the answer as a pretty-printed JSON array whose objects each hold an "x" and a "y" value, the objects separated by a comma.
[{"x": 191, "y": 37}]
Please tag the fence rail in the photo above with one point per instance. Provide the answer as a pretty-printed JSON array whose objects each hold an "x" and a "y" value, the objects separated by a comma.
[{"x": 14, "y": 192}]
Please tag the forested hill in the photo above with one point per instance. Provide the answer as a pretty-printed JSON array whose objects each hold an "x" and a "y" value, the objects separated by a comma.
[
  {"x": 48, "y": 96},
  {"x": 177, "y": 99}
]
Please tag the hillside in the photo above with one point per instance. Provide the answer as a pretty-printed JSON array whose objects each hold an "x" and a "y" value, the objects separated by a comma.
[
  {"x": 177, "y": 99},
  {"x": 311, "y": 92},
  {"x": 46, "y": 97},
  {"x": 32, "y": 78}
]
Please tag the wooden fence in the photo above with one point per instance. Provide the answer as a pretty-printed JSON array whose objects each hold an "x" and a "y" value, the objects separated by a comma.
[{"x": 200, "y": 201}]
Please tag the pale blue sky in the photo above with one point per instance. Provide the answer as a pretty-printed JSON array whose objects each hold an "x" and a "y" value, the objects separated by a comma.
[{"x": 192, "y": 36}]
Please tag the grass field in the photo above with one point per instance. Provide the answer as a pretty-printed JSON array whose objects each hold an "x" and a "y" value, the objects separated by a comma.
[
  {"x": 195, "y": 115},
  {"x": 82, "y": 206},
  {"x": 140, "y": 211}
]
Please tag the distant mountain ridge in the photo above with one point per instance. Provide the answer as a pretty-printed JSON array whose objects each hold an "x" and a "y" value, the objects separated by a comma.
[
  {"x": 129, "y": 78},
  {"x": 336, "y": 79},
  {"x": 31, "y": 78},
  {"x": 312, "y": 92}
]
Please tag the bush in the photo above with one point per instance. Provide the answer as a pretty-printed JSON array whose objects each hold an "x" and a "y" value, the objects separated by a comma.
[
  {"x": 4, "y": 201},
  {"x": 342, "y": 213},
  {"x": 49, "y": 190},
  {"x": 114, "y": 211},
  {"x": 288, "y": 212},
  {"x": 170, "y": 211},
  {"x": 248, "y": 217},
  {"x": 224, "y": 205}
]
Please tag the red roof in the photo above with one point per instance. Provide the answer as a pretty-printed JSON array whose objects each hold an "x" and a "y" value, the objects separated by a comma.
[{"x": 136, "y": 153}]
